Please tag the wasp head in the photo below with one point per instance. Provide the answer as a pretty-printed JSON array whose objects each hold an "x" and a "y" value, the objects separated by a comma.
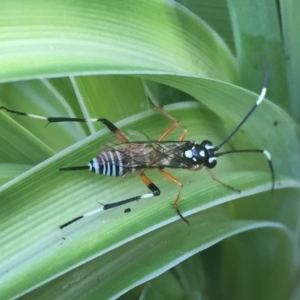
[{"x": 201, "y": 155}]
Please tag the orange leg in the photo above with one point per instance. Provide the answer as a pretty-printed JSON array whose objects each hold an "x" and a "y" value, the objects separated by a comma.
[
  {"x": 179, "y": 183},
  {"x": 212, "y": 175},
  {"x": 154, "y": 191},
  {"x": 150, "y": 185},
  {"x": 115, "y": 130},
  {"x": 224, "y": 184},
  {"x": 174, "y": 125}
]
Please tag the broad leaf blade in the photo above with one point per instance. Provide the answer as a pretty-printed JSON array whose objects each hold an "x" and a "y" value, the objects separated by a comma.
[
  {"x": 140, "y": 38},
  {"x": 88, "y": 37},
  {"x": 160, "y": 247},
  {"x": 258, "y": 40}
]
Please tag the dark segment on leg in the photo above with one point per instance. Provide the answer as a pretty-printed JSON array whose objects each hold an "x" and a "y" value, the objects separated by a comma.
[
  {"x": 13, "y": 111},
  {"x": 179, "y": 183},
  {"x": 151, "y": 186},
  {"x": 70, "y": 222}
]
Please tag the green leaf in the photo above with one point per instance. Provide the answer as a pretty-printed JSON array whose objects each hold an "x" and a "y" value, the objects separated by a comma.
[
  {"x": 31, "y": 196},
  {"x": 258, "y": 41},
  {"x": 88, "y": 37},
  {"x": 290, "y": 26},
  {"x": 10, "y": 171},
  {"x": 111, "y": 252},
  {"x": 160, "y": 247},
  {"x": 216, "y": 14}
]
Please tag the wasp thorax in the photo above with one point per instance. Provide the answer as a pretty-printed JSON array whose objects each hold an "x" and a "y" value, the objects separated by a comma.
[{"x": 201, "y": 155}]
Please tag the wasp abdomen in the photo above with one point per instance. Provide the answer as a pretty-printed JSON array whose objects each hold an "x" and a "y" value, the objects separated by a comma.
[{"x": 108, "y": 163}]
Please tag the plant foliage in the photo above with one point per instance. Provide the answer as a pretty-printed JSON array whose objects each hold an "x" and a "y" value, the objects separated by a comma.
[{"x": 99, "y": 58}]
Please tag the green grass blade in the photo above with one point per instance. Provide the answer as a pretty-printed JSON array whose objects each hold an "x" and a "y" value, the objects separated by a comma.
[
  {"x": 46, "y": 187},
  {"x": 290, "y": 11},
  {"x": 159, "y": 41},
  {"x": 258, "y": 39},
  {"x": 216, "y": 14},
  {"x": 10, "y": 171},
  {"x": 159, "y": 247},
  {"x": 88, "y": 37}
]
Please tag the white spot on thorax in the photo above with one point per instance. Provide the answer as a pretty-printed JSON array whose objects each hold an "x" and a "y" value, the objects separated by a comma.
[{"x": 188, "y": 153}]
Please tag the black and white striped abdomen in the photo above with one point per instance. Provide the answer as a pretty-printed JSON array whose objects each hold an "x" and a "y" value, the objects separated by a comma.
[{"x": 108, "y": 163}]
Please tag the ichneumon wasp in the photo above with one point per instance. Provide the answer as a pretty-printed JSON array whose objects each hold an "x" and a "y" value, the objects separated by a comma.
[{"x": 129, "y": 156}]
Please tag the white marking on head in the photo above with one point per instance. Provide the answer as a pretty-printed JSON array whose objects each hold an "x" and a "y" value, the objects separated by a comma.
[
  {"x": 261, "y": 96},
  {"x": 202, "y": 153},
  {"x": 212, "y": 159},
  {"x": 267, "y": 154},
  {"x": 208, "y": 147},
  {"x": 189, "y": 153},
  {"x": 96, "y": 165}
]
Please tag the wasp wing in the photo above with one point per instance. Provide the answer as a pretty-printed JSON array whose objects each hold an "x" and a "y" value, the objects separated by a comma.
[
  {"x": 131, "y": 135},
  {"x": 140, "y": 152}
]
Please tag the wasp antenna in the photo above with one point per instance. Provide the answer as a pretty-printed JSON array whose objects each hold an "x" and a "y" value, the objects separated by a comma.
[
  {"x": 257, "y": 103},
  {"x": 90, "y": 213},
  {"x": 268, "y": 155},
  {"x": 20, "y": 113},
  {"x": 76, "y": 168},
  {"x": 265, "y": 152}
]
